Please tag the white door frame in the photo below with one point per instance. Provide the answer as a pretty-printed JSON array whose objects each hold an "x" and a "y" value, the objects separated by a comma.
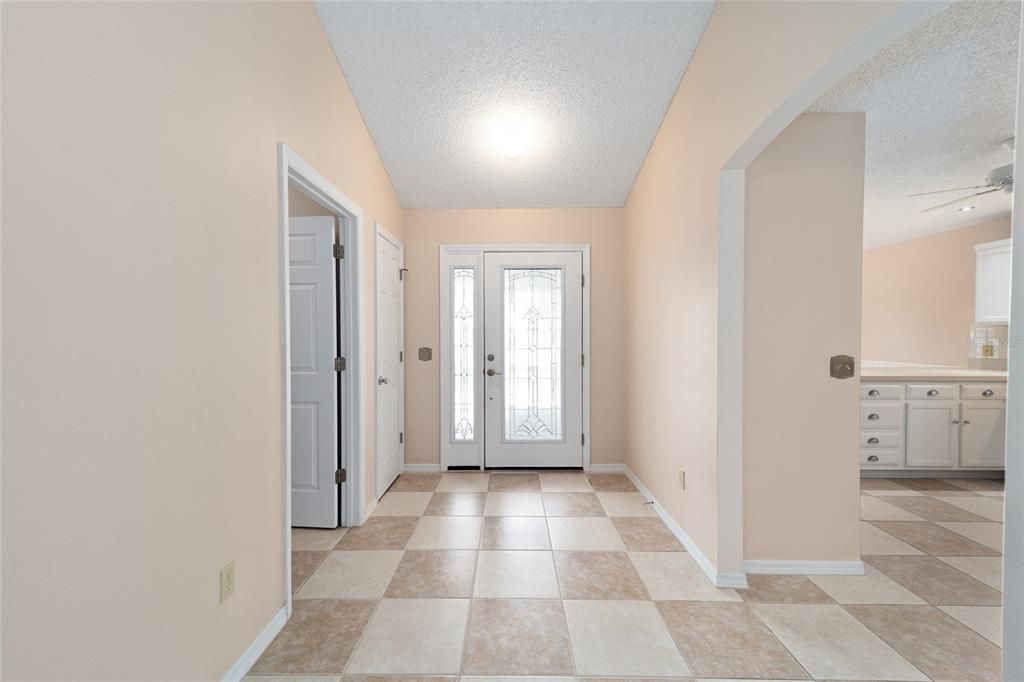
[
  {"x": 293, "y": 170},
  {"x": 381, "y": 231},
  {"x": 472, "y": 255}
]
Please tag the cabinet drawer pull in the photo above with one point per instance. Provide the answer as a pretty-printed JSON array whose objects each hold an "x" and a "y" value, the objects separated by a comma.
[
  {"x": 967, "y": 421},
  {"x": 872, "y": 441},
  {"x": 988, "y": 393},
  {"x": 873, "y": 417},
  {"x": 956, "y": 421},
  {"x": 873, "y": 458},
  {"x": 873, "y": 392},
  {"x": 933, "y": 392}
]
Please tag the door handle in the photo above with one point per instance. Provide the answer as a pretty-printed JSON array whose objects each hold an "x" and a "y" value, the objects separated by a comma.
[
  {"x": 492, "y": 372},
  {"x": 381, "y": 381}
]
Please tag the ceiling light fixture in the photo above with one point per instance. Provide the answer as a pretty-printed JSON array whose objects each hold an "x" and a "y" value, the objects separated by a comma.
[
  {"x": 965, "y": 209},
  {"x": 512, "y": 134}
]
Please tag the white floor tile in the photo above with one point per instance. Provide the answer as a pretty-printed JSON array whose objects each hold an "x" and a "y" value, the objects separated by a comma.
[
  {"x": 446, "y": 532},
  {"x": 676, "y": 576},
  {"x": 469, "y": 482},
  {"x": 987, "y": 569},
  {"x": 316, "y": 539},
  {"x": 402, "y": 504},
  {"x": 875, "y": 541},
  {"x": 510, "y": 574},
  {"x": 988, "y": 534},
  {"x": 412, "y": 636},
  {"x": 584, "y": 534},
  {"x": 514, "y": 504},
  {"x": 989, "y": 507},
  {"x": 874, "y": 587},
  {"x": 987, "y": 621},
  {"x": 352, "y": 575},
  {"x": 877, "y": 509},
  {"x": 626, "y": 504}
]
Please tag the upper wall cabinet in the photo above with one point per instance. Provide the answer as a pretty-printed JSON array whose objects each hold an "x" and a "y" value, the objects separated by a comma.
[{"x": 992, "y": 283}]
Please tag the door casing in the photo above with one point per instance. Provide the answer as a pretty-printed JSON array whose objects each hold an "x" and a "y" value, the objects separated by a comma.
[{"x": 467, "y": 255}]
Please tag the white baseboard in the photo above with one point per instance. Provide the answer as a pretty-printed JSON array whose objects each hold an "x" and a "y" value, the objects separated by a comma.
[
  {"x": 783, "y": 567},
  {"x": 422, "y": 468},
  {"x": 734, "y": 580},
  {"x": 607, "y": 468},
  {"x": 256, "y": 649}
]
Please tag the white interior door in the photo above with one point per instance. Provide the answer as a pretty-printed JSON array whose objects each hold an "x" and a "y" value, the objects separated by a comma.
[
  {"x": 390, "y": 395},
  {"x": 314, "y": 342},
  {"x": 532, "y": 359}
]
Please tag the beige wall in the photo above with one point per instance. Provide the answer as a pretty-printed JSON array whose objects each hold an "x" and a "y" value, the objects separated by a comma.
[
  {"x": 141, "y": 317},
  {"x": 919, "y": 296},
  {"x": 805, "y": 205},
  {"x": 751, "y": 56},
  {"x": 427, "y": 229}
]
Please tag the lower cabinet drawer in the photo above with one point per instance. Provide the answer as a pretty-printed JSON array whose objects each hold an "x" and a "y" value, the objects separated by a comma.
[
  {"x": 880, "y": 458},
  {"x": 932, "y": 391},
  {"x": 880, "y": 440},
  {"x": 875, "y": 416},
  {"x": 983, "y": 391},
  {"x": 881, "y": 391}
]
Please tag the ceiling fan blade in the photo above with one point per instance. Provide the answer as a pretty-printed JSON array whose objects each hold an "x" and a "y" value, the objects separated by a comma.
[
  {"x": 957, "y": 201},
  {"x": 955, "y": 189}
]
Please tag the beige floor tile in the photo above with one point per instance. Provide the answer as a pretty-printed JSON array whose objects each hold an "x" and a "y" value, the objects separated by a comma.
[
  {"x": 988, "y": 507},
  {"x": 380, "y": 532},
  {"x": 930, "y": 484},
  {"x": 931, "y": 509},
  {"x": 572, "y": 504},
  {"x": 582, "y": 534},
  {"x": 874, "y": 587},
  {"x": 987, "y": 621},
  {"x": 876, "y": 541},
  {"x": 833, "y": 645},
  {"x": 626, "y": 504},
  {"x": 988, "y": 534},
  {"x": 565, "y": 483},
  {"x": 517, "y": 637},
  {"x": 719, "y": 640},
  {"x": 783, "y": 589},
  {"x": 978, "y": 484},
  {"x": 468, "y": 482},
  {"x": 318, "y": 638},
  {"x": 514, "y": 504},
  {"x": 641, "y": 534},
  {"x": 987, "y": 569},
  {"x": 515, "y": 532},
  {"x": 456, "y": 504},
  {"x": 352, "y": 575},
  {"x": 447, "y": 532},
  {"x": 402, "y": 504},
  {"x": 893, "y": 493},
  {"x": 315, "y": 539},
  {"x": 303, "y": 565},
  {"x": 618, "y": 483},
  {"x": 879, "y": 509},
  {"x": 415, "y": 483},
  {"x": 622, "y": 638},
  {"x": 515, "y": 575},
  {"x": 676, "y": 576},
  {"x": 397, "y": 678},
  {"x": 934, "y": 642},
  {"x": 534, "y": 678},
  {"x": 433, "y": 573},
  {"x": 935, "y": 581},
  {"x": 413, "y": 636},
  {"x": 291, "y": 678},
  {"x": 881, "y": 484},
  {"x": 598, "y": 575},
  {"x": 934, "y": 539},
  {"x": 513, "y": 483}
]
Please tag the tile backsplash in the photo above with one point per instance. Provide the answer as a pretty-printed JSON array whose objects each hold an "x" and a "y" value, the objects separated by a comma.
[{"x": 987, "y": 346}]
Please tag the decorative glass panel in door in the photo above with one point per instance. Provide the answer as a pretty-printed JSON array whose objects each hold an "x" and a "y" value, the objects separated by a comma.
[{"x": 533, "y": 314}]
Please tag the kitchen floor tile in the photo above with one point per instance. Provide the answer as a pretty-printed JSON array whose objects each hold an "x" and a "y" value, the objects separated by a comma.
[
  {"x": 577, "y": 533},
  {"x": 303, "y": 565},
  {"x": 447, "y": 532},
  {"x": 987, "y": 621},
  {"x": 934, "y": 539},
  {"x": 988, "y": 534},
  {"x": 380, "y": 532},
  {"x": 881, "y": 509},
  {"x": 572, "y": 504},
  {"x": 930, "y": 484},
  {"x": 676, "y": 576},
  {"x": 468, "y": 482},
  {"x": 415, "y": 483},
  {"x": 402, "y": 504},
  {"x": 435, "y": 574},
  {"x": 514, "y": 483},
  {"x": 352, "y": 575},
  {"x": 318, "y": 638},
  {"x": 316, "y": 539},
  {"x": 646, "y": 535},
  {"x": 456, "y": 504},
  {"x": 988, "y": 507},
  {"x": 936, "y": 582},
  {"x": 783, "y": 589},
  {"x": 874, "y": 587},
  {"x": 876, "y": 541},
  {"x": 515, "y": 532},
  {"x": 517, "y": 637},
  {"x": 931, "y": 509},
  {"x": 619, "y": 483},
  {"x": 598, "y": 575},
  {"x": 626, "y": 504},
  {"x": 515, "y": 575},
  {"x": 987, "y": 569},
  {"x": 413, "y": 636},
  {"x": 514, "y": 504},
  {"x": 565, "y": 482}
]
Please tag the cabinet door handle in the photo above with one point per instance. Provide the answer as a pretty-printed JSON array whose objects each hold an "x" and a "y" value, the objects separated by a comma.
[
  {"x": 873, "y": 458},
  {"x": 956, "y": 421},
  {"x": 872, "y": 441},
  {"x": 933, "y": 392},
  {"x": 988, "y": 393},
  {"x": 967, "y": 421},
  {"x": 873, "y": 417},
  {"x": 873, "y": 392}
]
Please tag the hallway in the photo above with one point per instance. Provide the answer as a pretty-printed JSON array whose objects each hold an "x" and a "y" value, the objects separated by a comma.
[{"x": 565, "y": 574}]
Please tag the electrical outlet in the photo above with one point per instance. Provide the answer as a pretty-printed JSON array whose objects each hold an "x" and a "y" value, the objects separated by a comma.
[
  {"x": 682, "y": 478},
  {"x": 227, "y": 582}
]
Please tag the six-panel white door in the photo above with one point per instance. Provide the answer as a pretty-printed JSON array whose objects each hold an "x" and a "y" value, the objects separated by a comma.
[
  {"x": 390, "y": 455},
  {"x": 532, "y": 359},
  {"x": 314, "y": 342}
]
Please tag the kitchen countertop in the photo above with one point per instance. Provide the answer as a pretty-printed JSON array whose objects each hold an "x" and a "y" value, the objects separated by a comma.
[{"x": 930, "y": 374}]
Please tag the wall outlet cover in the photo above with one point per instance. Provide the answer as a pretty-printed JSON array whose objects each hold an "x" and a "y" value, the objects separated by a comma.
[{"x": 227, "y": 582}]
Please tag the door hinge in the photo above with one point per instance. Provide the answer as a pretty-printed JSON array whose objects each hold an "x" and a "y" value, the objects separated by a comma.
[
  {"x": 339, "y": 364},
  {"x": 401, "y": 273},
  {"x": 583, "y": 439},
  {"x": 339, "y": 251},
  {"x": 401, "y": 356},
  {"x": 583, "y": 280},
  {"x": 340, "y": 476},
  {"x": 401, "y": 437},
  {"x": 583, "y": 360}
]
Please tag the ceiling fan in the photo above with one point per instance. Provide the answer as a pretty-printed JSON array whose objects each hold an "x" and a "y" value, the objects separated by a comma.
[{"x": 998, "y": 179}]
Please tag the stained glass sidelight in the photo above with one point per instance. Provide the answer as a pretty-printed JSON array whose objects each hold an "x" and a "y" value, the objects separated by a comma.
[
  {"x": 533, "y": 354},
  {"x": 463, "y": 406}
]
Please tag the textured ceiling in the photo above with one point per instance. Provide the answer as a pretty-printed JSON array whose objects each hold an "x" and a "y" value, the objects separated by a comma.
[
  {"x": 939, "y": 103},
  {"x": 593, "y": 79}
]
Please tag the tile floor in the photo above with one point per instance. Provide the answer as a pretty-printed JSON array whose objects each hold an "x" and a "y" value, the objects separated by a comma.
[{"x": 565, "y": 575}]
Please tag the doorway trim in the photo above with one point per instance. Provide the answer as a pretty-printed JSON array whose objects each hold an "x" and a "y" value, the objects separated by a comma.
[
  {"x": 381, "y": 231},
  {"x": 447, "y": 254},
  {"x": 292, "y": 169}
]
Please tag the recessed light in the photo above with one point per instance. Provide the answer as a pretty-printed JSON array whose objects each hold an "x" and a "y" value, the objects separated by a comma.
[{"x": 965, "y": 209}]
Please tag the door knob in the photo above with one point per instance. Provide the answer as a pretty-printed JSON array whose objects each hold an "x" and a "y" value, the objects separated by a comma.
[
  {"x": 381, "y": 381},
  {"x": 492, "y": 372}
]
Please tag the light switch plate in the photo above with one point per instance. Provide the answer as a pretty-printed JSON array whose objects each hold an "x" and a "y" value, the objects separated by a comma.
[
  {"x": 425, "y": 354},
  {"x": 841, "y": 366}
]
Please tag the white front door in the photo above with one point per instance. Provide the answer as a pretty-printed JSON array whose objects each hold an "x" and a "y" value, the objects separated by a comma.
[
  {"x": 532, "y": 359},
  {"x": 314, "y": 342},
  {"x": 390, "y": 449}
]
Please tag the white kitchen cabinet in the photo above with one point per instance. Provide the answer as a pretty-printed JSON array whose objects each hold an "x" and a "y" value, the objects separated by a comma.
[
  {"x": 932, "y": 430},
  {"x": 982, "y": 433},
  {"x": 992, "y": 282}
]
